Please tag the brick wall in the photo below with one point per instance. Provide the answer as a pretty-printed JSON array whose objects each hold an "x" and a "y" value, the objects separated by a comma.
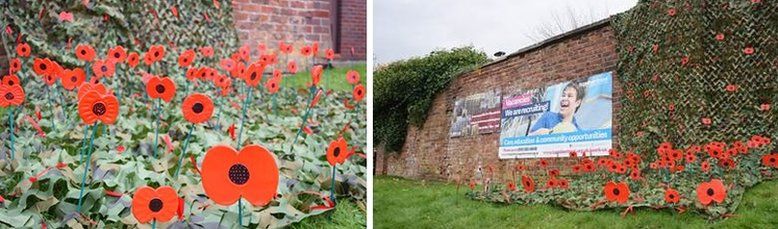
[
  {"x": 302, "y": 22},
  {"x": 429, "y": 153}
]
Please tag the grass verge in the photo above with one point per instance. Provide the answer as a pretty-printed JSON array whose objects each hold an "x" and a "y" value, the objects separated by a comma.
[
  {"x": 401, "y": 203},
  {"x": 334, "y": 78},
  {"x": 347, "y": 215}
]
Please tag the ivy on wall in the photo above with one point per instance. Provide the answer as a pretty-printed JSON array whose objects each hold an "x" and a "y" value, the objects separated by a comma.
[{"x": 404, "y": 90}]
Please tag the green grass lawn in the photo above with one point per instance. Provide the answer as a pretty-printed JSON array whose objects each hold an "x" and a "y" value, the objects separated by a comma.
[
  {"x": 401, "y": 203},
  {"x": 334, "y": 78},
  {"x": 347, "y": 215}
]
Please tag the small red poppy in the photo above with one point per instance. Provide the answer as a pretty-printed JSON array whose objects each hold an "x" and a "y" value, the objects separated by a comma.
[
  {"x": 528, "y": 183},
  {"x": 291, "y": 67},
  {"x": 154, "y": 204},
  {"x": 711, "y": 191},
  {"x": 161, "y": 88},
  {"x": 329, "y": 54},
  {"x": 85, "y": 52},
  {"x": 94, "y": 106},
  {"x": 272, "y": 85},
  {"x": 770, "y": 160},
  {"x": 254, "y": 74},
  {"x": 306, "y": 51},
  {"x": 133, "y": 59},
  {"x": 245, "y": 53},
  {"x": 23, "y": 50},
  {"x": 186, "y": 58},
  {"x": 511, "y": 186},
  {"x": 117, "y": 54},
  {"x": 197, "y": 108},
  {"x": 543, "y": 163},
  {"x": 720, "y": 37},
  {"x": 616, "y": 192},
  {"x": 672, "y": 196},
  {"x": 206, "y": 51},
  {"x": 15, "y": 65},
  {"x": 352, "y": 77},
  {"x": 671, "y": 12},
  {"x": 41, "y": 67},
  {"x": 748, "y": 50},
  {"x": 705, "y": 166},
  {"x": 337, "y": 152},
  {"x": 359, "y": 93},
  {"x": 316, "y": 73},
  {"x": 10, "y": 80},
  {"x": 104, "y": 68}
]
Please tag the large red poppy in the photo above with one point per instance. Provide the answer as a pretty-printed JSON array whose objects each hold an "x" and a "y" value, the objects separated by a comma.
[
  {"x": 713, "y": 190},
  {"x": 228, "y": 175},
  {"x": 41, "y": 67},
  {"x": 11, "y": 95},
  {"x": 10, "y": 80},
  {"x": 161, "y": 88},
  {"x": 158, "y": 204},
  {"x": 117, "y": 54},
  {"x": 616, "y": 192},
  {"x": 528, "y": 183},
  {"x": 93, "y": 107},
  {"x": 770, "y": 160},
  {"x": 103, "y": 68}
]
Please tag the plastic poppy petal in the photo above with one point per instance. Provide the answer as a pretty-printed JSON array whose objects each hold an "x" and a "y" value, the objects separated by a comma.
[
  {"x": 170, "y": 89},
  {"x": 702, "y": 193},
  {"x": 111, "y": 109},
  {"x": 169, "y": 200},
  {"x": 215, "y": 175},
  {"x": 85, "y": 105},
  {"x": 720, "y": 190},
  {"x": 140, "y": 204},
  {"x": 263, "y": 182},
  {"x": 197, "y": 108}
]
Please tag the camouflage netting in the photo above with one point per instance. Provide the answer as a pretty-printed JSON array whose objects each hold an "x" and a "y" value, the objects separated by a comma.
[{"x": 699, "y": 89}]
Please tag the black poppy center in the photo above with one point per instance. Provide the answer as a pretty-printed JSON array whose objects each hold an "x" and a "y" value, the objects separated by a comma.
[
  {"x": 671, "y": 196},
  {"x": 239, "y": 174},
  {"x": 98, "y": 109},
  {"x": 9, "y": 96},
  {"x": 359, "y": 92},
  {"x": 16, "y": 65},
  {"x": 772, "y": 159},
  {"x": 43, "y": 66},
  {"x": 160, "y": 89},
  {"x": 198, "y": 108},
  {"x": 83, "y": 52},
  {"x": 155, "y": 205},
  {"x": 616, "y": 191},
  {"x": 156, "y": 54},
  {"x": 11, "y": 83},
  {"x": 73, "y": 79},
  {"x": 253, "y": 75},
  {"x": 526, "y": 183},
  {"x": 710, "y": 192},
  {"x": 117, "y": 55},
  {"x": 273, "y": 85},
  {"x": 24, "y": 49},
  {"x": 336, "y": 151},
  {"x": 104, "y": 68}
]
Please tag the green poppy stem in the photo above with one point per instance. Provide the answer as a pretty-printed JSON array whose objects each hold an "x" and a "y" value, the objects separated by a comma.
[
  {"x": 332, "y": 191},
  {"x": 156, "y": 127},
  {"x": 11, "y": 131},
  {"x": 275, "y": 104},
  {"x": 154, "y": 224},
  {"x": 86, "y": 170},
  {"x": 240, "y": 212},
  {"x": 183, "y": 152},
  {"x": 246, "y": 103},
  {"x": 305, "y": 119}
]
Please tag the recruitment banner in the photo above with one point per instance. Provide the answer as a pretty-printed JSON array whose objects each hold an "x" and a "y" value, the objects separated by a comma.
[
  {"x": 552, "y": 121},
  {"x": 476, "y": 114}
]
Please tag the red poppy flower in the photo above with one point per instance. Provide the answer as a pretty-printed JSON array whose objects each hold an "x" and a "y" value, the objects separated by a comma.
[
  {"x": 727, "y": 163},
  {"x": 690, "y": 157},
  {"x": 337, "y": 152},
  {"x": 563, "y": 183},
  {"x": 15, "y": 65},
  {"x": 635, "y": 174},
  {"x": 272, "y": 85},
  {"x": 103, "y": 68},
  {"x": 613, "y": 153},
  {"x": 616, "y": 192},
  {"x": 254, "y": 74},
  {"x": 154, "y": 54},
  {"x": 161, "y": 88},
  {"x": 85, "y": 52},
  {"x": 284, "y": 48},
  {"x": 133, "y": 59},
  {"x": 85, "y": 88},
  {"x": 770, "y": 160},
  {"x": 228, "y": 175},
  {"x": 720, "y": 37},
  {"x": 359, "y": 93},
  {"x": 10, "y": 80},
  {"x": 227, "y": 64},
  {"x": 291, "y": 67},
  {"x": 705, "y": 166},
  {"x": 315, "y": 48},
  {"x": 511, "y": 186},
  {"x": 23, "y": 50},
  {"x": 748, "y": 50},
  {"x": 672, "y": 196},
  {"x": 553, "y": 172},
  {"x": 671, "y": 12},
  {"x": 186, "y": 58},
  {"x": 329, "y": 54},
  {"x": 117, "y": 54},
  {"x": 197, "y": 108},
  {"x": 316, "y": 74},
  {"x": 543, "y": 163},
  {"x": 352, "y": 77},
  {"x": 713, "y": 190},
  {"x": 472, "y": 184},
  {"x": 305, "y": 51},
  {"x": 94, "y": 106},
  {"x": 41, "y": 67},
  {"x": 551, "y": 183},
  {"x": 731, "y": 88},
  {"x": 191, "y": 74},
  {"x": 528, "y": 183},
  {"x": 55, "y": 72},
  {"x": 154, "y": 204},
  {"x": 206, "y": 51},
  {"x": 706, "y": 121},
  {"x": 244, "y": 53},
  {"x": 11, "y": 95}
]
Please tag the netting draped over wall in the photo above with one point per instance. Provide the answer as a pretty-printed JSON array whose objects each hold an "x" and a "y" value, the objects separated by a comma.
[{"x": 697, "y": 71}]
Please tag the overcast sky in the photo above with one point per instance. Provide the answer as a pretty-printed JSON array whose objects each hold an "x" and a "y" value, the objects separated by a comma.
[{"x": 410, "y": 28}]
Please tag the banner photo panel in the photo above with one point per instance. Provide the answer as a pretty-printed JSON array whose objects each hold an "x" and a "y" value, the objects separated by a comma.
[
  {"x": 555, "y": 120},
  {"x": 476, "y": 114}
]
